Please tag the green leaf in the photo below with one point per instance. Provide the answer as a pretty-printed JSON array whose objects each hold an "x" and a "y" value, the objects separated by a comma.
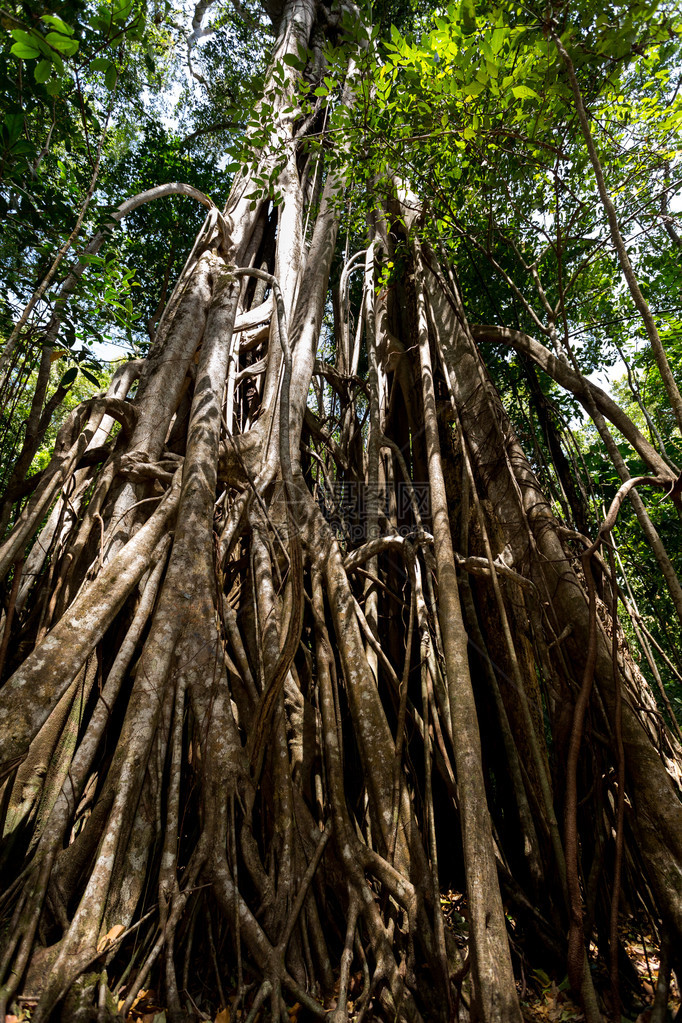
[
  {"x": 25, "y": 50},
  {"x": 100, "y": 23},
  {"x": 48, "y": 53},
  {"x": 69, "y": 377},
  {"x": 291, "y": 61},
  {"x": 473, "y": 89},
  {"x": 42, "y": 71},
  {"x": 544, "y": 979},
  {"x": 523, "y": 92},
  {"x": 14, "y": 123},
  {"x": 99, "y": 63},
  {"x": 90, "y": 376},
  {"x": 497, "y": 40},
  {"x": 23, "y": 148},
  {"x": 111, "y": 77},
  {"x": 27, "y": 38},
  {"x": 122, "y": 10},
  {"x": 53, "y": 87},
  {"x": 468, "y": 22},
  {"x": 61, "y": 26},
  {"x": 55, "y": 59},
  {"x": 61, "y": 43}
]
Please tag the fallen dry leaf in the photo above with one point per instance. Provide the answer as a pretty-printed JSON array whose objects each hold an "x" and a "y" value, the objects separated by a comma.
[
  {"x": 223, "y": 1016},
  {"x": 140, "y": 997},
  {"x": 110, "y": 937}
]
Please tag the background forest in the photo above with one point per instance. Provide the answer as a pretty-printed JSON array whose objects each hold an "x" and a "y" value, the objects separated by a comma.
[{"x": 340, "y": 454}]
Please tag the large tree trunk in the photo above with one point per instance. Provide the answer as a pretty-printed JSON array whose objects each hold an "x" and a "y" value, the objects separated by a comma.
[{"x": 237, "y": 741}]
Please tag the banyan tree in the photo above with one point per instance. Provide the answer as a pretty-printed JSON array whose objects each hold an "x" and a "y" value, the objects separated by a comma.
[{"x": 295, "y": 640}]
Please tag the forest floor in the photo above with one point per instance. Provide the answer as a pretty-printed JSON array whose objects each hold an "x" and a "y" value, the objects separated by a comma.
[
  {"x": 549, "y": 1002},
  {"x": 543, "y": 1000}
]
